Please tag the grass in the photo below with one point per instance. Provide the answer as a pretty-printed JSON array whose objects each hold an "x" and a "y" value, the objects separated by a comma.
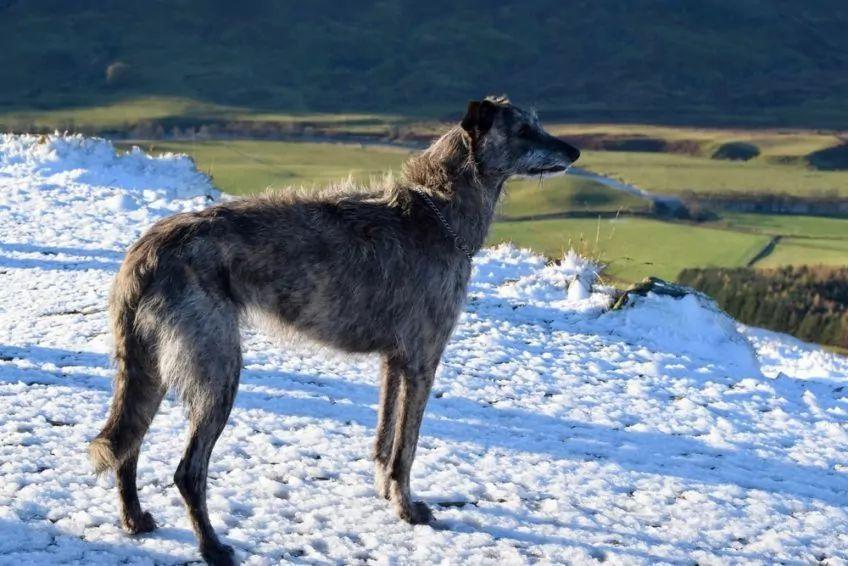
[
  {"x": 249, "y": 167},
  {"x": 807, "y": 251},
  {"x": 787, "y": 225},
  {"x": 123, "y": 114},
  {"x": 566, "y": 193},
  {"x": 807, "y": 240},
  {"x": 634, "y": 248},
  {"x": 674, "y": 174},
  {"x": 781, "y": 167},
  {"x": 246, "y": 167},
  {"x": 773, "y": 144},
  {"x": 115, "y": 114}
]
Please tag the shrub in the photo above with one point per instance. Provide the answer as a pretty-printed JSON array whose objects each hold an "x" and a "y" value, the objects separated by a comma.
[
  {"x": 117, "y": 74},
  {"x": 810, "y": 303},
  {"x": 736, "y": 151}
]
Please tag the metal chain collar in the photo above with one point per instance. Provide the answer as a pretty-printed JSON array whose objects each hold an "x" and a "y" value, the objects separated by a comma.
[{"x": 457, "y": 239}]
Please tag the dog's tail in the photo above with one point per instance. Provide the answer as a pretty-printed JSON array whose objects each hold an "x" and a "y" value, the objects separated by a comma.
[{"x": 137, "y": 387}]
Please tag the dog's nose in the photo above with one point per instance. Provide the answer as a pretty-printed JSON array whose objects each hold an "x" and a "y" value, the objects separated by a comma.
[{"x": 572, "y": 152}]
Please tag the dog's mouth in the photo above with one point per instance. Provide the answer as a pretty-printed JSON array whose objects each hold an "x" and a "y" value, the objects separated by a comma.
[{"x": 548, "y": 170}]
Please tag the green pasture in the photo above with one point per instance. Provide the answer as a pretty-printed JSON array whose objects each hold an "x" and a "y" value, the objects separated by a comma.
[
  {"x": 632, "y": 247},
  {"x": 669, "y": 173},
  {"x": 774, "y": 144},
  {"x": 249, "y": 167},
  {"x": 526, "y": 197},
  {"x": 126, "y": 113},
  {"x": 787, "y": 225},
  {"x": 807, "y": 251}
]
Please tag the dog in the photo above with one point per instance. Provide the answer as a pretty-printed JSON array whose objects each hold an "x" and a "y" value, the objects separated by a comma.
[{"x": 380, "y": 270}]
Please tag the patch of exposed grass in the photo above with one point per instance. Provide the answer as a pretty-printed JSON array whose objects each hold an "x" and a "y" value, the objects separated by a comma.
[
  {"x": 675, "y": 174},
  {"x": 567, "y": 193},
  {"x": 123, "y": 114},
  {"x": 249, "y": 167},
  {"x": 771, "y": 143},
  {"x": 807, "y": 251},
  {"x": 788, "y": 225},
  {"x": 246, "y": 167},
  {"x": 634, "y": 248}
]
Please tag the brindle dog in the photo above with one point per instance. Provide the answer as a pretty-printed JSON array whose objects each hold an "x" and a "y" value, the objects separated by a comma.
[{"x": 380, "y": 270}]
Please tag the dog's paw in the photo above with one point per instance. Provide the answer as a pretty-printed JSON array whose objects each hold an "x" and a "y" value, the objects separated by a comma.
[
  {"x": 382, "y": 482},
  {"x": 219, "y": 555},
  {"x": 416, "y": 513},
  {"x": 144, "y": 523}
]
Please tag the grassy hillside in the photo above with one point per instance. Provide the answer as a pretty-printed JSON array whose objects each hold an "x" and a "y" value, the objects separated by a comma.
[
  {"x": 808, "y": 251},
  {"x": 633, "y": 247},
  {"x": 757, "y": 62},
  {"x": 121, "y": 116},
  {"x": 776, "y": 145},
  {"x": 671, "y": 173},
  {"x": 785, "y": 225},
  {"x": 247, "y": 167},
  {"x": 243, "y": 167}
]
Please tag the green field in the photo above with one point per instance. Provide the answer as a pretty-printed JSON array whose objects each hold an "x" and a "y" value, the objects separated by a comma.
[
  {"x": 787, "y": 225},
  {"x": 249, "y": 167},
  {"x": 566, "y": 193},
  {"x": 128, "y": 113},
  {"x": 773, "y": 144},
  {"x": 668, "y": 173},
  {"x": 632, "y": 247},
  {"x": 807, "y": 251},
  {"x": 806, "y": 240}
]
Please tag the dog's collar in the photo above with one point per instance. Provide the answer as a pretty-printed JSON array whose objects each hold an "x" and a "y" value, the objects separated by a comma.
[{"x": 457, "y": 239}]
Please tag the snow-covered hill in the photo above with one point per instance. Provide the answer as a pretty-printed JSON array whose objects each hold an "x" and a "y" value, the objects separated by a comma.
[{"x": 557, "y": 431}]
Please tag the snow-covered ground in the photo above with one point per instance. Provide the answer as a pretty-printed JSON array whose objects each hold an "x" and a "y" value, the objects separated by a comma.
[{"x": 557, "y": 431}]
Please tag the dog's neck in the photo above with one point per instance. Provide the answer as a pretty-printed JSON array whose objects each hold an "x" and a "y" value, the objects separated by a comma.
[{"x": 466, "y": 196}]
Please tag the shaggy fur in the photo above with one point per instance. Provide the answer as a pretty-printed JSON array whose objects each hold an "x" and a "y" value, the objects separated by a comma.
[{"x": 369, "y": 270}]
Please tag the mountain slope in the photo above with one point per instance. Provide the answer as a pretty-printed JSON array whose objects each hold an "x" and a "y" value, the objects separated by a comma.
[
  {"x": 557, "y": 432},
  {"x": 754, "y": 62}
]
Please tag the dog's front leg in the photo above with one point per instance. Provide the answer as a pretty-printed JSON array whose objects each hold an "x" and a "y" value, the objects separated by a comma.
[
  {"x": 389, "y": 390},
  {"x": 413, "y": 391}
]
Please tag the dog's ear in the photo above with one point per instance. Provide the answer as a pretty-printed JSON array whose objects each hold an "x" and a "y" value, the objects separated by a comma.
[{"x": 478, "y": 117}]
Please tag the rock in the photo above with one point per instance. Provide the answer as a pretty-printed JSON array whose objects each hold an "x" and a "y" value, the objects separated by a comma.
[{"x": 653, "y": 285}]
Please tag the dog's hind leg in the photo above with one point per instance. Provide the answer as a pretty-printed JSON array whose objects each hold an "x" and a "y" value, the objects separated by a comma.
[
  {"x": 138, "y": 393},
  {"x": 416, "y": 380},
  {"x": 190, "y": 476},
  {"x": 389, "y": 385},
  {"x": 133, "y": 518},
  {"x": 202, "y": 359}
]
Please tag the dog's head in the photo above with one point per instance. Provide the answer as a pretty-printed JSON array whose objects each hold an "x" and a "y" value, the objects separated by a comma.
[{"x": 509, "y": 141}]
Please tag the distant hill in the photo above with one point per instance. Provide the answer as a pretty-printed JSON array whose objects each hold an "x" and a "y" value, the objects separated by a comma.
[{"x": 714, "y": 62}]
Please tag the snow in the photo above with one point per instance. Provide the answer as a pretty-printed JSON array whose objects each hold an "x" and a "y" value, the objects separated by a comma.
[{"x": 557, "y": 431}]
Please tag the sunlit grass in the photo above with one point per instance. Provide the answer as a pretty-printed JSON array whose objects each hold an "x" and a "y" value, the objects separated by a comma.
[
  {"x": 634, "y": 248},
  {"x": 674, "y": 174}
]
